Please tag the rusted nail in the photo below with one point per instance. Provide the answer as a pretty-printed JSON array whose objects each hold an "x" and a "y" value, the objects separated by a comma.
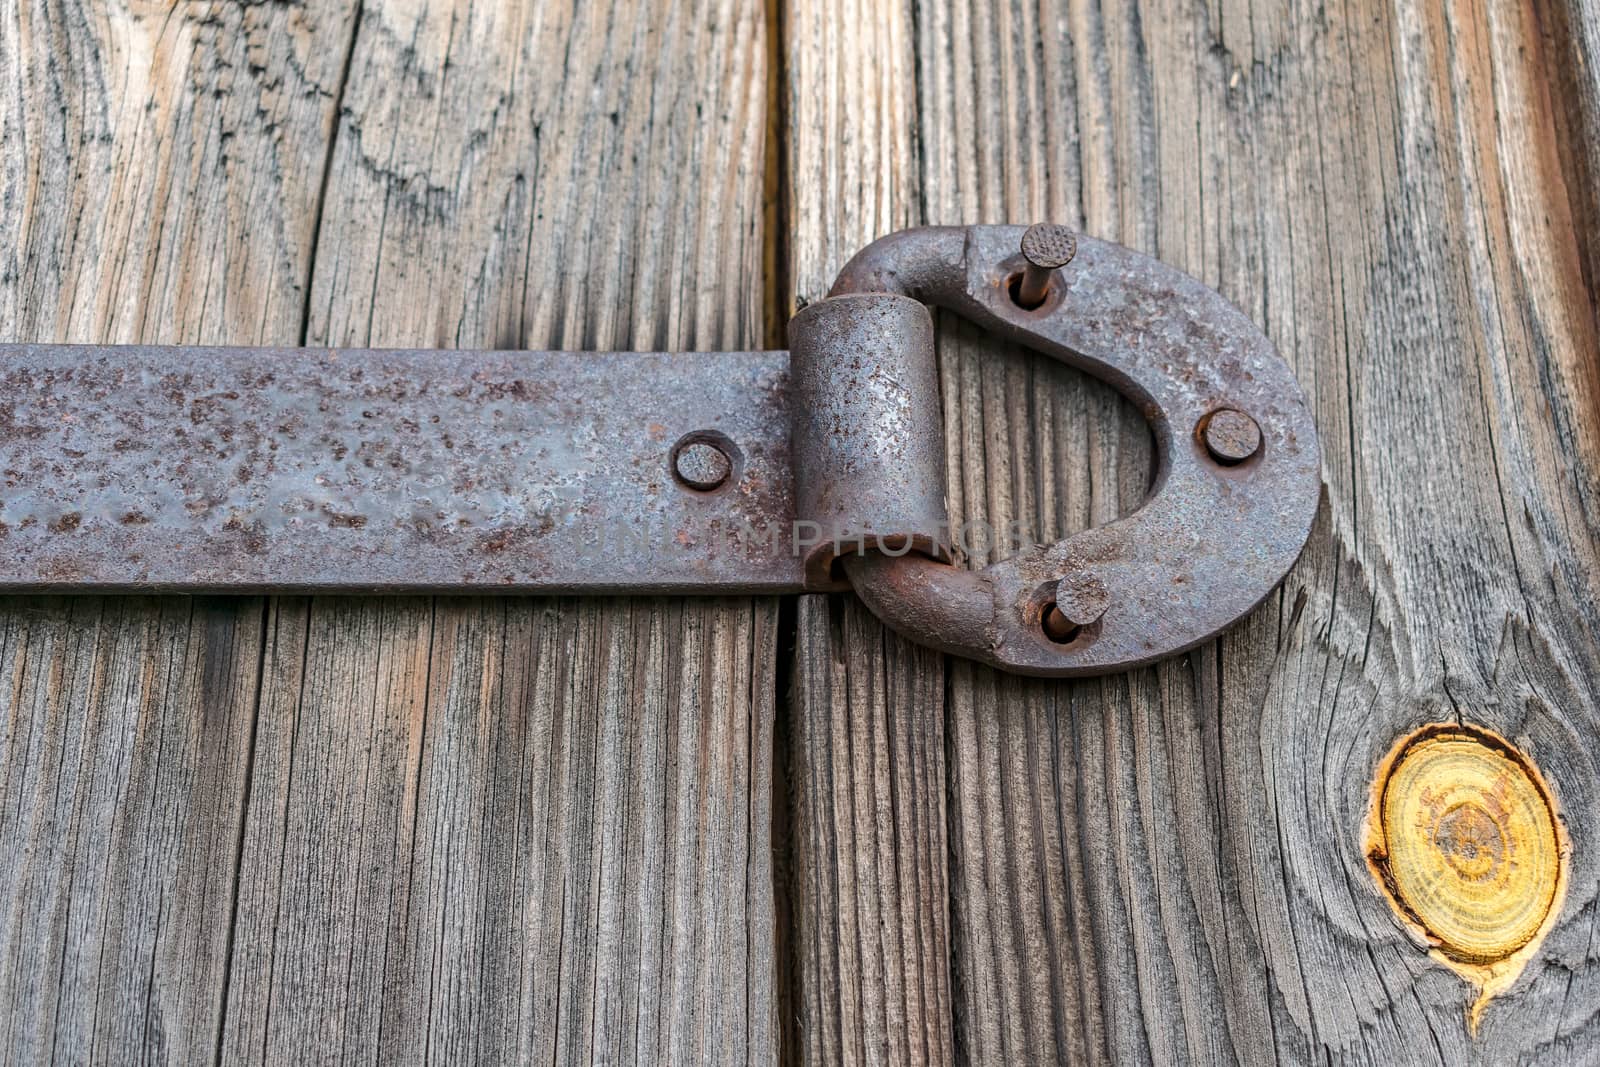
[
  {"x": 1082, "y": 598},
  {"x": 1231, "y": 436},
  {"x": 1047, "y": 248},
  {"x": 1057, "y": 627},
  {"x": 701, "y": 465}
]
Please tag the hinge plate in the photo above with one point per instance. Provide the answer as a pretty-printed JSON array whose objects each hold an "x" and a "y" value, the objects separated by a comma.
[{"x": 128, "y": 468}]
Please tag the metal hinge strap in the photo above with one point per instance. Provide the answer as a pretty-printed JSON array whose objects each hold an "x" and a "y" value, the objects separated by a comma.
[{"x": 384, "y": 471}]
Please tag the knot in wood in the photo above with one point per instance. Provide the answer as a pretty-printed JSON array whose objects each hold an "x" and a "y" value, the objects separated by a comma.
[{"x": 1465, "y": 844}]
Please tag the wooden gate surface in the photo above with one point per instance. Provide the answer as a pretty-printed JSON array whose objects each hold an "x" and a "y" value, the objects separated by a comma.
[{"x": 285, "y": 830}]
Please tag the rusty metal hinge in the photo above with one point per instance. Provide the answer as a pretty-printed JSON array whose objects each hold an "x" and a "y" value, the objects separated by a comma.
[{"x": 193, "y": 469}]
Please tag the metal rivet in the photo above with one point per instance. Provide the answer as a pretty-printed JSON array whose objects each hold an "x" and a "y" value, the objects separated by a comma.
[
  {"x": 1047, "y": 248},
  {"x": 701, "y": 465},
  {"x": 1231, "y": 436}
]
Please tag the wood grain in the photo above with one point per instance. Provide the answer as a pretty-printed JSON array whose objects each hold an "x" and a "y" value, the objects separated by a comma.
[
  {"x": 552, "y": 845},
  {"x": 864, "y": 744},
  {"x": 869, "y": 892},
  {"x": 1166, "y": 866},
  {"x": 1570, "y": 51},
  {"x": 123, "y": 772},
  {"x": 159, "y": 182},
  {"x": 458, "y": 830}
]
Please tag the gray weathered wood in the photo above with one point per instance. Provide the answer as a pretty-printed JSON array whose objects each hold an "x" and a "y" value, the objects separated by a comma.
[
  {"x": 572, "y": 797},
  {"x": 1570, "y": 51},
  {"x": 495, "y": 829},
  {"x": 123, "y": 773},
  {"x": 159, "y": 182},
  {"x": 1168, "y": 865},
  {"x": 868, "y": 884},
  {"x": 868, "y": 890}
]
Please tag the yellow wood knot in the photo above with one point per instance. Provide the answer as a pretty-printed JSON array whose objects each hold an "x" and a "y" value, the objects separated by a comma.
[{"x": 1464, "y": 840}]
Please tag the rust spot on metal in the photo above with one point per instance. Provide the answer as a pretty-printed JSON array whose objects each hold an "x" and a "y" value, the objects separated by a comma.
[{"x": 340, "y": 521}]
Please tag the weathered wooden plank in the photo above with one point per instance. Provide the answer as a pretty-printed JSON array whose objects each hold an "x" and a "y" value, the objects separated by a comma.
[
  {"x": 159, "y": 180},
  {"x": 865, "y": 763},
  {"x": 511, "y": 829},
  {"x": 865, "y": 751},
  {"x": 163, "y": 168},
  {"x": 123, "y": 770},
  {"x": 1169, "y": 865},
  {"x": 463, "y": 829},
  {"x": 306, "y": 974},
  {"x": 1570, "y": 52}
]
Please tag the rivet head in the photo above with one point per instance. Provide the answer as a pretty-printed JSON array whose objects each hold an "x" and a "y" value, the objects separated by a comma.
[
  {"x": 1231, "y": 437},
  {"x": 1082, "y": 598},
  {"x": 1049, "y": 246},
  {"x": 701, "y": 465}
]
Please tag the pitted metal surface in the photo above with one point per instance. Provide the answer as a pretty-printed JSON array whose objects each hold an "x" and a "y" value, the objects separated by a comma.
[
  {"x": 233, "y": 469},
  {"x": 868, "y": 436},
  {"x": 1229, "y": 512}
]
